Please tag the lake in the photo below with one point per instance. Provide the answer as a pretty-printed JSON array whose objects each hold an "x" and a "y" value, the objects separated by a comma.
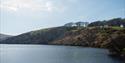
[{"x": 53, "y": 54}]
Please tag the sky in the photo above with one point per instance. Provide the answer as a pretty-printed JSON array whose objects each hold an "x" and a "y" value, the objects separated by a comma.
[{"x": 21, "y": 16}]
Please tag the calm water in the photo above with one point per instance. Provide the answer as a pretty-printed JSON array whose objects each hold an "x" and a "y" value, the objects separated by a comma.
[{"x": 53, "y": 54}]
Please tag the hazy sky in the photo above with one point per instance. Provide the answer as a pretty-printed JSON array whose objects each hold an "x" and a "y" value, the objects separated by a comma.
[{"x": 19, "y": 16}]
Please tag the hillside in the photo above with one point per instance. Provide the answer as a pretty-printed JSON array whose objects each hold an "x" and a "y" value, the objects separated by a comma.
[
  {"x": 111, "y": 22},
  {"x": 3, "y": 37},
  {"x": 111, "y": 36},
  {"x": 63, "y": 33},
  {"x": 43, "y": 36}
]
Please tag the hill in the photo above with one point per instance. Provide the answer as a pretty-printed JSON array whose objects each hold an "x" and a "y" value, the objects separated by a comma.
[
  {"x": 111, "y": 22},
  {"x": 46, "y": 36},
  {"x": 4, "y": 37},
  {"x": 111, "y": 37},
  {"x": 43, "y": 36}
]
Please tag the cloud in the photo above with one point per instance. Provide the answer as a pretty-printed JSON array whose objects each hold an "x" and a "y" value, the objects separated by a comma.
[{"x": 32, "y": 5}]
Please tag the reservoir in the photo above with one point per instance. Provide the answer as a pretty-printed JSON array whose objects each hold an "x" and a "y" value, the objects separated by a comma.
[{"x": 53, "y": 54}]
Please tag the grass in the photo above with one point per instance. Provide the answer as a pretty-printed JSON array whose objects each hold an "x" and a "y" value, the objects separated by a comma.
[{"x": 117, "y": 28}]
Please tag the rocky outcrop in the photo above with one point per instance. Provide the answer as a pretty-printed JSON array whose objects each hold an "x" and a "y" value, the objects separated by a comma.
[{"x": 113, "y": 39}]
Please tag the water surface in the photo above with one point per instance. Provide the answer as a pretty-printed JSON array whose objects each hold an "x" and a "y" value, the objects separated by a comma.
[{"x": 53, "y": 54}]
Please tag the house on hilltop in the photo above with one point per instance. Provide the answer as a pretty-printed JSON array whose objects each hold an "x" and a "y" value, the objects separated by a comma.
[
  {"x": 84, "y": 24},
  {"x": 71, "y": 24},
  {"x": 78, "y": 24},
  {"x": 121, "y": 26}
]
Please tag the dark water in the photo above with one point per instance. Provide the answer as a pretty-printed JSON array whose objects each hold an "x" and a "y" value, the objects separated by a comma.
[{"x": 53, "y": 54}]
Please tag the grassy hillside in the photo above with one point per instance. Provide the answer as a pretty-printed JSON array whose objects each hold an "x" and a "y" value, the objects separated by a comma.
[{"x": 43, "y": 36}]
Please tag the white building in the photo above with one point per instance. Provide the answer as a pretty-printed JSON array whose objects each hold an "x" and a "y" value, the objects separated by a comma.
[
  {"x": 79, "y": 24},
  {"x": 71, "y": 24},
  {"x": 84, "y": 24},
  {"x": 121, "y": 26},
  {"x": 106, "y": 26}
]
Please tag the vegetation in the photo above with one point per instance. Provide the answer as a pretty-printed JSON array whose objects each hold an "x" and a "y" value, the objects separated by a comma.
[
  {"x": 43, "y": 36},
  {"x": 117, "y": 27},
  {"x": 4, "y": 37},
  {"x": 112, "y": 22},
  {"x": 111, "y": 37}
]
